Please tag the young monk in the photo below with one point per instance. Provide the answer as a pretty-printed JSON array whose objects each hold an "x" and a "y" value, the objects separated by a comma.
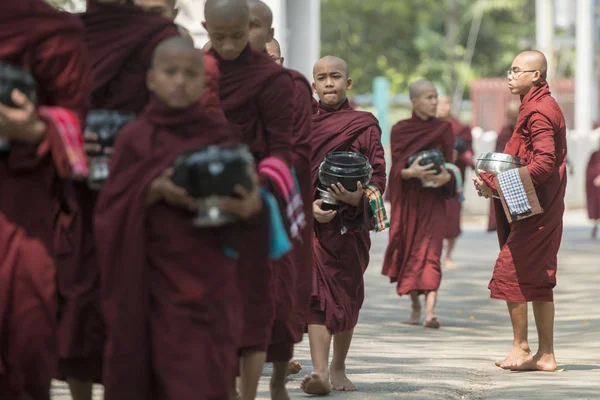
[
  {"x": 526, "y": 267},
  {"x": 274, "y": 51},
  {"x": 37, "y": 207},
  {"x": 512, "y": 112},
  {"x": 175, "y": 333},
  {"x": 414, "y": 251},
  {"x": 256, "y": 96},
  {"x": 342, "y": 242},
  {"x": 593, "y": 191},
  {"x": 462, "y": 160}
]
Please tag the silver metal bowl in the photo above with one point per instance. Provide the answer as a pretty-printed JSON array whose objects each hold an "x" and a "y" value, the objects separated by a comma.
[{"x": 496, "y": 163}]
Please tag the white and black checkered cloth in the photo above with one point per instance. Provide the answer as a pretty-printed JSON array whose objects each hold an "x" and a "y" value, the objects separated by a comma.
[{"x": 514, "y": 193}]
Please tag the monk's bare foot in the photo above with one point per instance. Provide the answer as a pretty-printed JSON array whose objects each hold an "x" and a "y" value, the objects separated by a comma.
[
  {"x": 517, "y": 360},
  {"x": 316, "y": 384},
  {"x": 433, "y": 323},
  {"x": 540, "y": 362},
  {"x": 415, "y": 315},
  {"x": 449, "y": 264},
  {"x": 340, "y": 382},
  {"x": 594, "y": 231},
  {"x": 279, "y": 393},
  {"x": 294, "y": 367}
]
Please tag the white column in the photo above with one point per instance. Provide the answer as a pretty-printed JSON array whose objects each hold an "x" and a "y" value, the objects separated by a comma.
[
  {"x": 304, "y": 39},
  {"x": 544, "y": 32},
  {"x": 584, "y": 70},
  {"x": 278, "y": 7}
]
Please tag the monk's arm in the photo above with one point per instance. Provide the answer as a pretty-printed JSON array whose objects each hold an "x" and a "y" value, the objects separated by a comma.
[
  {"x": 542, "y": 139},
  {"x": 277, "y": 115},
  {"x": 373, "y": 149}
]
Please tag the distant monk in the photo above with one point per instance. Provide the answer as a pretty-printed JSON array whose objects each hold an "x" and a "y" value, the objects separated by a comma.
[
  {"x": 413, "y": 256},
  {"x": 463, "y": 159},
  {"x": 293, "y": 273},
  {"x": 593, "y": 191},
  {"x": 167, "y": 9},
  {"x": 341, "y": 242},
  {"x": 37, "y": 205},
  {"x": 172, "y": 335},
  {"x": 526, "y": 267},
  {"x": 512, "y": 112},
  {"x": 256, "y": 95}
]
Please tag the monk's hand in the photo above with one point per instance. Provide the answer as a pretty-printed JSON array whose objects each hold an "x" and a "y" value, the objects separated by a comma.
[
  {"x": 322, "y": 216},
  {"x": 163, "y": 189},
  {"x": 419, "y": 171},
  {"x": 483, "y": 190},
  {"x": 440, "y": 179},
  {"x": 339, "y": 192},
  {"x": 597, "y": 181},
  {"x": 21, "y": 123},
  {"x": 246, "y": 204}
]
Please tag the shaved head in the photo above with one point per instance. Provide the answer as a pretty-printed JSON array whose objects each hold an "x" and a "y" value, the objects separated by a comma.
[
  {"x": 175, "y": 43},
  {"x": 228, "y": 25},
  {"x": 273, "y": 47},
  {"x": 417, "y": 88},
  {"x": 226, "y": 10},
  {"x": 266, "y": 15},
  {"x": 332, "y": 62},
  {"x": 528, "y": 70},
  {"x": 536, "y": 60}
]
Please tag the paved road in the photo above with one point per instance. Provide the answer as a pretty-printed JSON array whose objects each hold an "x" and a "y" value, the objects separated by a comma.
[{"x": 389, "y": 360}]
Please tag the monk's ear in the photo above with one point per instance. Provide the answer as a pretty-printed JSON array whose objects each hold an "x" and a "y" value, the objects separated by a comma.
[
  {"x": 537, "y": 78},
  {"x": 282, "y": 60},
  {"x": 204, "y": 26},
  {"x": 349, "y": 84},
  {"x": 314, "y": 87},
  {"x": 271, "y": 35}
]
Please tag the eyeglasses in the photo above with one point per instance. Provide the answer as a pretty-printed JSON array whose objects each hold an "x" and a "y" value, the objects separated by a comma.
[
  {"x": 513, "y": 74},
  {"x": 275, "y": 58}
]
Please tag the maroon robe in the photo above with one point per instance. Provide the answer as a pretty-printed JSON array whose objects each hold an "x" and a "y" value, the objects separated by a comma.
[
  {"x": 453, "y": 206},
  {"x": 526, "y": 267},
  {"x": 121, "y": 41},
  {"x": 501, "y": 140},
  {"x": 592, "y": 191},
  {"x": 255, "y": 95},
  {"x": 340, "y": 260},
  {"x": 292, "y": 274},
  {"x": 169, "y": 293},
  {"x": 412, "y": 258}
]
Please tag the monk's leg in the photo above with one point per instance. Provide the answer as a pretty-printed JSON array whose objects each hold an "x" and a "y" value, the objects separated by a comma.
[
  {"x": 251, "y": 366},
  {"x": 341, "y": 345},
  {"x": 595, "y": 229},
  {"x": 431, "y": 320},
  {"x": 278, "y": 379},
  {"x": 543, "y": 312},
  {"x": 415, "y": 316},
  {"x": 319, "y": 340},
  {"x": 520, "y": 354},
  {"x": 80, "y": 390},
  {"x": 448, "y": 260}
]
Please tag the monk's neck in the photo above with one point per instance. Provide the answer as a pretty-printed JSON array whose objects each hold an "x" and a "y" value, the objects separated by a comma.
[
  {"x": 334, "y": 107},
  {"x": 422, "y": 116}
]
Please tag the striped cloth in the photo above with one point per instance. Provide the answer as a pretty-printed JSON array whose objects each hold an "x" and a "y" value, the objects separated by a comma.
[
  {"x": 284, "y": 178},
  {"x": 459, "y": 181},
  {"x": 66, "y": 124},
  {"x": 377, "y": 205},
  {"x": 514, "y": 193}
]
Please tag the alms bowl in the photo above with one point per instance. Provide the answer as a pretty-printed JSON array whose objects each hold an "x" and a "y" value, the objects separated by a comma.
[
  {"x": 434, "y": 156},
  {"x": 346, "y": 168},
  {"x": 14, "y": 77},
  {"x": 496, "y": 163}
]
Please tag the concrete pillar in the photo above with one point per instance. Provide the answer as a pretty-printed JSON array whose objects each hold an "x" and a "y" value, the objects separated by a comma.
[
  {"x": 304, "y": 39},
  {"x": 279, "y": 7},
  {"x": 584, "y": 69},
  {"x": 544, "y": 32}
]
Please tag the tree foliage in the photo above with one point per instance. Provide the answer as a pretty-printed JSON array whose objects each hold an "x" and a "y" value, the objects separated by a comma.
[{"x": 407, "y": 40}]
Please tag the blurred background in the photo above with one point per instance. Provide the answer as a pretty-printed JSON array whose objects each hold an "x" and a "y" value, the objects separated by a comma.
[{"x": 465, "y": 46}]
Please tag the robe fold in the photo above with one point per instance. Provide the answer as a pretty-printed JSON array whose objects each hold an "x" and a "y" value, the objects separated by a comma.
[
  {"x": 462, "y": 161},
  {"x": 292, "y": 274},
  {"x": 121, "y": 41},
  {"x": 418, "y": 214},
  {"x": 42, "y": 205},
  {"x": 501, "y": 140},
  {"x": 592, "y": 191},
  {"x": 255, "y": 94},
  {"x": 169, "y": 293},
  {"x": 526, "y": 267},
  {"x": 340, "y": 260}
]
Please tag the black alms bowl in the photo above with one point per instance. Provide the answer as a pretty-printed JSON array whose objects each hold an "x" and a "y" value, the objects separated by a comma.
[
  {"x": 214, "y": 171},
  {"x": 106, "y": 124},
  {"x": 435, "y": 157},
  {"x": 14, "y": 77},
  {"x": 346, "y": 168}
]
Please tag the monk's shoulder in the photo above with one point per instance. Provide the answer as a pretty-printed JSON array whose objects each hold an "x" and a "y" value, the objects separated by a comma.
[
  {"x": 300, "y": 80},
  {"x": 401, "y": 125}
]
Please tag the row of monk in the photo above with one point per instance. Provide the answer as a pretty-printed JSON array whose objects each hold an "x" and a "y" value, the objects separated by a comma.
[{"x": 118, "y": 287}]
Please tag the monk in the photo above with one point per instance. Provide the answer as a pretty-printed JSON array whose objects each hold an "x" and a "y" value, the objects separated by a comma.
[
  {"x": 175, "y": 333},
  {"x": 167, "y": 9},
  {"x": 255, "y": 94},
  {"x": 526, "y": 267},
  {"x": 512, "y": 112},
  {"x": 463, "y": 159},
  {"x": 342, "y": 241},
  {"x": 274, "y": 51},
  {"x": 593, "y": 191},
  {"x": 414, "y": 251},
  {"x": 36, "y": 218}
]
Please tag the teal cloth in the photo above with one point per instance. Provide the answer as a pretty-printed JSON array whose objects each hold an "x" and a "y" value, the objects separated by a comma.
[{"x": 279, "y": 242}]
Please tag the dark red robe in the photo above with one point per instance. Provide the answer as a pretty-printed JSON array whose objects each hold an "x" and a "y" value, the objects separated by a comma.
[
  {"x": 292, "y": 274},
  {"x": 340, "y": 260},
  {"x": 463, "y": 161},
  {"x": 48, "y": 43},
  {"x": 121, "y": 41},
  {"x": 592, "y": 191},
  {"x": 169, "y": 293},
  {"x": 255, "y": 95},
  {"x": 526, "y": 267},
  {"x": 418, "y": 214},
  {"x": 501, "y": 140}
]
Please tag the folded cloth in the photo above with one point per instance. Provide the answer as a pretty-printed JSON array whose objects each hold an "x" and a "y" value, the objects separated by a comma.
[
  {"x": 285, "y": 181},
  {"x": 66, "y": 124},
  {"x": 377, "y": 205},
  {"x": 459, "y": 180},
  {"x": 279, "y": 242},
  {"x": 517, "y": 194}
]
